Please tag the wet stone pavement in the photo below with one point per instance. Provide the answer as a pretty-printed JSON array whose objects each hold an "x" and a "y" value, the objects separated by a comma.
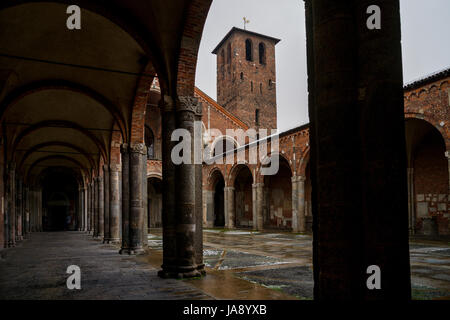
[
  {"x": 36, "y": 269},
  {"x": 283, "y": 262},
  {"x": 241, "y": 265}
]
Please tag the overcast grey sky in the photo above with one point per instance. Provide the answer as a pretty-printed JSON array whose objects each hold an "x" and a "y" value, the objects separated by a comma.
[{"x": 425, "y": 33}]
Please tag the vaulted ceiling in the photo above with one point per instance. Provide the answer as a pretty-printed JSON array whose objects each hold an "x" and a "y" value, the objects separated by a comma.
[{"x": 62, "y": 91}]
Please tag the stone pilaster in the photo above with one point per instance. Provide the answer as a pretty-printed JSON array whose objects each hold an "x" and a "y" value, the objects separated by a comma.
[
  {"x": 125, "y": 158},
  {"x": 106, "y": 208},
  {"x": 169, "y": 186},
  {"x": 447, "y": 155},
  {"x": 137, "y": 151},
  {"x": 114, "y": 203}
]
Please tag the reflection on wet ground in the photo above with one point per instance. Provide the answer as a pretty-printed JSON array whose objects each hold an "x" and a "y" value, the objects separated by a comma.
[{"x": 254, "y": 265}]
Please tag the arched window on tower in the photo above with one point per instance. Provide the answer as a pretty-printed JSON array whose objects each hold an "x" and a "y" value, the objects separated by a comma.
[
  {"x": 229, "y": 53},
  {"x": 262, "y": 53},
  {"x": 242, "y": 76},
  {"x": 248, "y": 50},
  {"x": 149, "y": 143}
]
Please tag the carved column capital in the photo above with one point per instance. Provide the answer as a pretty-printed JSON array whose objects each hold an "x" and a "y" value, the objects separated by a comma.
[
  {"x": 189, "y": 104},
  {"x": 105, "y": 168},
  {"x": 138, "y": 148},
  {"x": 115, "y": 167}
]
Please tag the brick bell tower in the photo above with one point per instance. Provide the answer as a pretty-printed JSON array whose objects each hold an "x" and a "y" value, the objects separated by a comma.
[{"x": 246, "y": 82}]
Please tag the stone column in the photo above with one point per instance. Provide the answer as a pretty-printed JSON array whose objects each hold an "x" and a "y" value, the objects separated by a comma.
[
  {"x": 144, "y": 201},
  {"x": 80, "y": 209},
  {"x": 169, "y": 187},
  {"x": 208, "y": 208},
  {"x": 198, "y": 148},
  {"x": 27, "y": 210},
  {"x": 230, "y": 208},
  {"x": 89, "y": 208},
  {"x": 101, "y": 208},
  {"x": 19, "y": 210},
  {"x": 301, "y": 208},
  {"x": 106, "y": 208},
  {"x": 136, "y": 198},
  {"x": 86, "y": 210},
  {"x": 96, "y": 222},
  {"x": 186, "y": 198},
  {"x": 258, "y": 200},
  {"x": 411, "y": 202},
  {"x": 114, "y": 204},
  {"x": 39, "y": 222},
  {"x": 12, "y": 205},
  {"x": 125, "y": 158},
  {"x": 32, "y": 210},
  {"x": 358, "y": 152}
]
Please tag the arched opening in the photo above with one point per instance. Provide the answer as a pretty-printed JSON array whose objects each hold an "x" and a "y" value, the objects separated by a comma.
[
  {"x": 278, "y": 196},
  {"x": 243, "y": 202},
  {"x": 262, "y": 53},
  {"x": 154, "y": 196},
  {"x": 218, "y": 186},
  {"x": 248, "y": 50},
  {"x": 59, "y": 199},
  {"x": 428, "y": 181}
]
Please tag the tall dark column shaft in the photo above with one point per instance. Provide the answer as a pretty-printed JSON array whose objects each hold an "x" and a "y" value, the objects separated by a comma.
[
  {"x": 137, "y": 151},
  {"x": 168, "y": 123},
  {"x": 101, "y": 208},
  {"x": 358, "y": 170},
  {"x": 12, "y": 205},
  {"x": 186, "y": 195},
  {"x": 198, "y": 144},
  {"x": 106, "y": 208},
  {"x": 125, "y": 157},
  {"x": 89, "y": 208},
  {"x": 114, "y": 203},
  {"x": 144, "y": 201},
  {"x": 96, "y": 222}
]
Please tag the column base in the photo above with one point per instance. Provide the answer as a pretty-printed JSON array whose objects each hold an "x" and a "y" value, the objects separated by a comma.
[
  {"x": 115, "y": 241},
  {"x": 179, "y": 275},
  {"x": 132, "y": 251},
  {"x": 201, "y": 269}
]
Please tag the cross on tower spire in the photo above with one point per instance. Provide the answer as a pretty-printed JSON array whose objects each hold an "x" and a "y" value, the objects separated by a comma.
[{"x": 245, "y": 22}]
